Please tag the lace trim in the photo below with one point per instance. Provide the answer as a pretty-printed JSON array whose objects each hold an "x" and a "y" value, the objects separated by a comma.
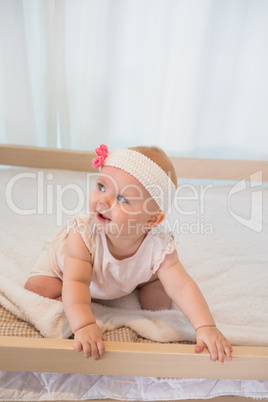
[{"x": 169, "y": 248}]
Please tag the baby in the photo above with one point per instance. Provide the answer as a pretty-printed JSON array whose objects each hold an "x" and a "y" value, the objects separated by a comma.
[{"x": 119, "y": 247}]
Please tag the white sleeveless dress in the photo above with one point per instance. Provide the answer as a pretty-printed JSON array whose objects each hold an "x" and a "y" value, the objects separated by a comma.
[{"x": 111, "y": 278}]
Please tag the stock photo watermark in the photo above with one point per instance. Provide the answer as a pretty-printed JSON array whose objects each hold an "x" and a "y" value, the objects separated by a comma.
[
  {"x": 188, "y": 206},
  {"x": 255, "y": 219}
]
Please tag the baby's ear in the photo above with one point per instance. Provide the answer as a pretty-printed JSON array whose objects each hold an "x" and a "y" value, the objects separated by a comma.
[{"x": 155, "y": 220}]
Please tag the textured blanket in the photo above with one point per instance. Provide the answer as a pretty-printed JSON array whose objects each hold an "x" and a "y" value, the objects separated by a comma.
[{"x": 222, "y": 236}]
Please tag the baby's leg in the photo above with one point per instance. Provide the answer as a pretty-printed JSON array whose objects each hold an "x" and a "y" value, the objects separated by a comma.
[
  {"x": 47, "y": 286},
  {"x": 43, "y": 279},
  {"x": 153, "y": 296}
]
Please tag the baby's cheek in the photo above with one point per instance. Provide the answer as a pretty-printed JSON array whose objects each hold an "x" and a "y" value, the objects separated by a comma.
[
  {"x": 122, "y": 212},
  {"x": 149, "y": 206},
  {"x": 92, "y": 201}
]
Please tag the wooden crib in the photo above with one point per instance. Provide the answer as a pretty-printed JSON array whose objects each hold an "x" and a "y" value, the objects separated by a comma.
[{"x": 122, "y": 358}]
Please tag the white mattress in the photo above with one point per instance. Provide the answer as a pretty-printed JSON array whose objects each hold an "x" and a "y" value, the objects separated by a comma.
[{"x": 17, "y": 386}]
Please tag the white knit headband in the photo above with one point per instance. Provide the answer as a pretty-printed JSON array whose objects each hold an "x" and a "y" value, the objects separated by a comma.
[{"x": 148, "y": 173}]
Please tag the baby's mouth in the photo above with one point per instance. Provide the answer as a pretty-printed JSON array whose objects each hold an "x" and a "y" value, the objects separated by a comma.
[{"x": 102, "y": 218}]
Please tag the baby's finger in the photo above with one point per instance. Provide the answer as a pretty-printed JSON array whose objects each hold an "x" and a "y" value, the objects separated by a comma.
[
  {"x": 213, "y": 351},
  {"x": 77, "y": 346},
  {"x": 86, "y": 349},
  {"x": 199, "y": 346},
  {"x": 229, "y": 345},
  {"x": 220, "y": 352},
  {"x": 94, "y": 351},
  {"x": 228, "y": 349},
  {"x": 101, "y": 347}
]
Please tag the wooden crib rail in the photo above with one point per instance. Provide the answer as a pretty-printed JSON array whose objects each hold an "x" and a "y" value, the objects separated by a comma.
[
  {"x": 130, "y": 359},
  {"x": 52, "y": 158},
  {"x": 46, "y": 158}
]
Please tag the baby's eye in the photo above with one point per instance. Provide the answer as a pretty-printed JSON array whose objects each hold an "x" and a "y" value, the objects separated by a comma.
[
  {"x": 121, "y": 198},
  {"x": 100, "y": 187}
]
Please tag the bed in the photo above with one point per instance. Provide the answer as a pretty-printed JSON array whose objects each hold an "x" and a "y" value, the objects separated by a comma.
[{"x": 169, "y": 365}]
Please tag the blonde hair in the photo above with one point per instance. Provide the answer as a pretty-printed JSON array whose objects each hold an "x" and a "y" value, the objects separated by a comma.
[{"x": 158, "y": 156}]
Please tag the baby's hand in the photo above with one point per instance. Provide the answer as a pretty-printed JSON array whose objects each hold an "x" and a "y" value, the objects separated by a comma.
[
  {"x": 90, "y": 340},
  {"x": 217, "y": 344}
]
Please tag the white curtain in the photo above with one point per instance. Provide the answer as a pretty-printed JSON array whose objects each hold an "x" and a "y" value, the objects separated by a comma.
[{"x": 187, "y": 75}]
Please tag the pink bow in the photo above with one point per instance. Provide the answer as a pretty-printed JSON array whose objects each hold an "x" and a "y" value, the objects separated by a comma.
[{"x": 102, "y": 153}]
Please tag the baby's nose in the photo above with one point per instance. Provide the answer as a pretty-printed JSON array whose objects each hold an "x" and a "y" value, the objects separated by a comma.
[{"x": 106, "y": 201}]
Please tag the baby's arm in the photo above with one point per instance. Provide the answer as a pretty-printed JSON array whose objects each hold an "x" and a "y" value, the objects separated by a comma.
[
  {"x": 76, "y": 298},
  {"x": 182, "y": 289}
]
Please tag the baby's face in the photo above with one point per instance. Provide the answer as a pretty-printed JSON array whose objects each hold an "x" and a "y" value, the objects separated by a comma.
[{"x": 119, "y": 204}]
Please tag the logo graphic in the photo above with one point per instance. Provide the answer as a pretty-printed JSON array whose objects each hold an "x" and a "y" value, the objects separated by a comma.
[{"x": 255, "y": 220}]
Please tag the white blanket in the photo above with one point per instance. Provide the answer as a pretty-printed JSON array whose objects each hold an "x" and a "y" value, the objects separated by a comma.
[{"x": 220, "y": 246}]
